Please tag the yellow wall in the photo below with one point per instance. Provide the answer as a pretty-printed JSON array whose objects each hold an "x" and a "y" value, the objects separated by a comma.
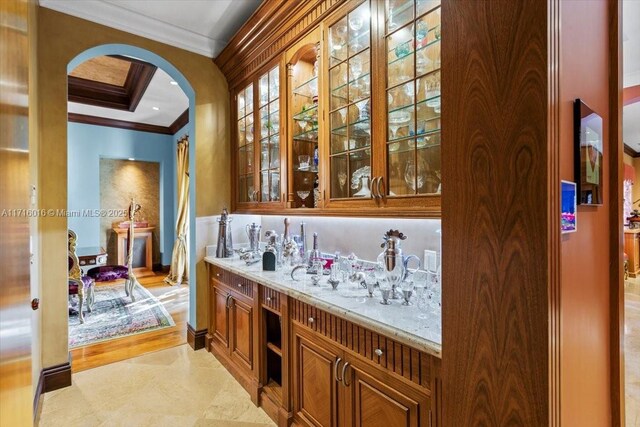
[{"x": 61, "y": 38}]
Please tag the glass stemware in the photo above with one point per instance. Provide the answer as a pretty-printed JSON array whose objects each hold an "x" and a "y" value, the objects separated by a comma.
[
  {"x": 356, "y": 23},
  {"x": 342, "y": 180},
  {"x": 355, "y": 67},
  {"x": 414, "y": 177},
  {"x": 397, "y": 119},
  {"x": 303, "y": 194},
  {"x": 363, "y": 109}
]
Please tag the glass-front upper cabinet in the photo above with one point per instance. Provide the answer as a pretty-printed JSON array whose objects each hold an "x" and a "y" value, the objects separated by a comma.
[
  {"x": 349, "y": 104},
  {"x": 245, "y": 191},
  {"x": 258, "y": 153},
  {"x": 412, "y": 48},
  {"x": 304, "y": 106},
  {"x": 269, "y": 114}
]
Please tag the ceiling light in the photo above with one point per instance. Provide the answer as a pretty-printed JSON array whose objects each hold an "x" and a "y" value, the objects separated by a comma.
[
  {"x": 155, "y": 108},
  {"x": 131, "y": 159},
  {"x": 173, "y": 83}
]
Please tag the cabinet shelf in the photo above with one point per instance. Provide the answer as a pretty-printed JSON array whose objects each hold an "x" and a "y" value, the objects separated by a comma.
[
  {"x": 358, "y": 38},
  {"x": 305, "y": 89},
  {"x": 310, "y": 114},
  {"x": 419, "y": 49},
  {"x": 340, "y": 91},
  {"x": 362, "y": 126},
  {"x": 307, "y": 136},
  {"x": 274, "y": 348}
]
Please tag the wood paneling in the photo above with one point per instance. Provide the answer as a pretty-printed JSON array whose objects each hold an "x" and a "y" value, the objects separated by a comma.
[
  {"x": 315, "y": 390},
  {"x": 402, "y": 360},
  {"x": 270, "y": 30},
  {"x": 16, "y": 394},
  {"x": 220, "y": 316},
  {"x": 616, "y": 274},
  {"x": 496, "y": 212},
  {"x": 242, "y": 323}
]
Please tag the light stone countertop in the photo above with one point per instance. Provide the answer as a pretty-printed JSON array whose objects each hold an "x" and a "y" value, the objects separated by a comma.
[{"x": 350, "y": 302}]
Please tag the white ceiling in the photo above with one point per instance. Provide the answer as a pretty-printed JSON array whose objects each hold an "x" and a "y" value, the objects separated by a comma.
[
  {"x": 631, "y": 70},
  {"x": 170, "y": 100},
  {"x": 200, "y": 26}
]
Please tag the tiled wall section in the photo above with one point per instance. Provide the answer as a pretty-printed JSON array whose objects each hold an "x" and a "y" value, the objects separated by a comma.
[{"x": 362, "y": 236}]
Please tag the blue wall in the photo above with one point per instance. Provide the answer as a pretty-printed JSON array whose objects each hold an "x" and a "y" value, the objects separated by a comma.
[{"x": 87, "y": 144}]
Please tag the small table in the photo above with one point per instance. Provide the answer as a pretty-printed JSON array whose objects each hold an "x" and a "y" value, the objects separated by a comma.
[{"x": 91, "y": 256}]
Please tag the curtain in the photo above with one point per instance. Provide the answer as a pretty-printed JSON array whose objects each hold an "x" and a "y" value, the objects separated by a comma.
[{"x": 179, "y": 272}]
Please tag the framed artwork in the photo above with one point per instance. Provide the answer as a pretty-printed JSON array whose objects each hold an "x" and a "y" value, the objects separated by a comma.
[
  {"x": 588, "y": 157},
  {"x": 568, "y": 207}
]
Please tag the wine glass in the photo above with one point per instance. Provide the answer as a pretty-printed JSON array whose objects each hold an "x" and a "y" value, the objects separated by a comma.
[
  {"x": 363, "y": 110},
  {"x": 355, "y": 24},
  {"x": 303, "y": 194},
  {"x": 410, "y": 174},
  {"x": 302, "y": 124},
  {"x": 396, "y": 120},
  {"x": 419, "y": 279},
  {"x": 342, "y": 180},
  {"x": 355, "y": 67},
  {"x": 381, "y": 277}
]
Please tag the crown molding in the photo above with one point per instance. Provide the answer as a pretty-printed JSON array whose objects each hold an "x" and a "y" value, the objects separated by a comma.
[
  {"x": 123, "y": 19},
  {"x": 274, "y": 26}
]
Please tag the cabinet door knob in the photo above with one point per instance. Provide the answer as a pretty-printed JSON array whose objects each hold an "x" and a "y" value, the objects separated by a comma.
[
  {"x": 335, "y": 370},
  {"x": 217, "y": 274},
  {"x": 268, "y": 299},
  {"x": 344, "y": 378},
  {"x": 239, "y": 285},
  {"x": 378, "y": 352},
  {"x": 311, "y": 320}
]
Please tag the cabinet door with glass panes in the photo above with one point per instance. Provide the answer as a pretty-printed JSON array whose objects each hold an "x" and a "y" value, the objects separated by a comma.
[
  {"x": 269, "y": 143},
  {"x": 258, "y": 154},
  {"x": 245, "y": 178},
  {"x": 304, "y": 123},
  {"x": 412, "y": 146},
  {"x": 350, "y": 154}
]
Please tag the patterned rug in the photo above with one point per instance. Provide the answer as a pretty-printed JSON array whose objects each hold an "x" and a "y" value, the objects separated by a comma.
[{"x": 115, "y": 316}]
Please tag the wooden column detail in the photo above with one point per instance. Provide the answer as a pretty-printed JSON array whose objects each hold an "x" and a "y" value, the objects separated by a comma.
[{"x": 499, "y": 204}]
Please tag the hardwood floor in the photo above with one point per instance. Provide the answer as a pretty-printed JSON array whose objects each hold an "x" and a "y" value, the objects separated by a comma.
[{"x": 175, "y": 299}]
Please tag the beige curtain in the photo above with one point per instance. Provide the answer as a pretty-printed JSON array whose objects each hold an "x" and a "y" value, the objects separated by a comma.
[{"x": 180, "y": 259}]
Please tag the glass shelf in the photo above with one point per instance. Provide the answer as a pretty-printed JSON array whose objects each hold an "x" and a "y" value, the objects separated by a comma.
[
  {"x": 343, "y": 87},
  {"x": 305, "y": 88},
  {"x": 307, "y": 170},
  {"x": 419, "y": 104},
  {"x": 309, "y": 115},
  {"x": 421, "y": 48},
  {"x": 308, "y": 136},
  {"x": 337, "y": 60},
  {"x": 360, "y": 125}
]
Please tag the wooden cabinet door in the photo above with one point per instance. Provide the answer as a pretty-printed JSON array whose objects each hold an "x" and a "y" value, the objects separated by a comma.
[
  {"x": 378, "y": 400},
  {"x": 220, "y": 316},
  {"x": 242, "y": 332},
  {"x": 315, "y": 390}
]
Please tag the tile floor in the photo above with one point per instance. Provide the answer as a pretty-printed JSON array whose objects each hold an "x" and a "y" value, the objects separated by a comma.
[
  {"x": 632, "y": 351},
  {"x": 173, "y": 387}
]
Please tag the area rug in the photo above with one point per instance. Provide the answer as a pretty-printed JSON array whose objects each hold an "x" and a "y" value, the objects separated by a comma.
[{"x": 115, "y": 316}]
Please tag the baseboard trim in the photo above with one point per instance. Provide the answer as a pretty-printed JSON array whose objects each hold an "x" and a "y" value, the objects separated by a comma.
[
  {"x": 196, "y": 338},
  {"x": 56, "y": 377},
  {"x": 37, "y": 399}
]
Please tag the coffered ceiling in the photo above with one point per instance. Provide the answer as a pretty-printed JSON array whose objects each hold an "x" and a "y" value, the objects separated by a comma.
[
  {"x": 125, "y": 90},
  {"x": 200, "y": 26}
]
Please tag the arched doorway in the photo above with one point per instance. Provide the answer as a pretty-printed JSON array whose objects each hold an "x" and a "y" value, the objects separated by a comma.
[{"x": 158, "y": 61}]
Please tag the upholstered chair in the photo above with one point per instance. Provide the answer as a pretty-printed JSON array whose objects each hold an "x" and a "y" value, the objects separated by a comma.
[{"x": 80, "y": 285}]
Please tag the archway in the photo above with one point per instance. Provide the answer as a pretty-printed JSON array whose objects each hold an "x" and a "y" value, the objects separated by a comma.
[{"x": 183, "y": 83}]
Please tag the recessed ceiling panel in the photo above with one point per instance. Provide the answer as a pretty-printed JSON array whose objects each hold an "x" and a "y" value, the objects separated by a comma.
[{"x": 103, "y": 69}]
